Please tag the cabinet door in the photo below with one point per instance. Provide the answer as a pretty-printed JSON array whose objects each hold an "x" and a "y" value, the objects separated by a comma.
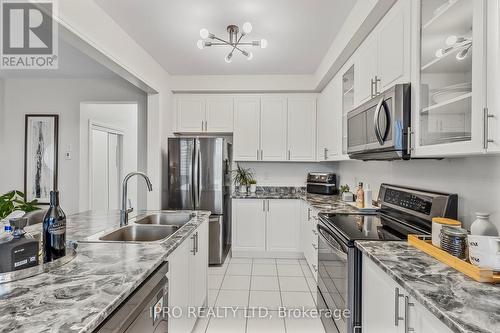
[
  {"x": 273, "y": 128},
  {"x": 283, "y": 225},
  {"x": 249, "y": 225},
  {"x": 394, "y": 38},
  {"x": 379, "y": 292},
  {"x": 178, "y": 285},
  {"x": 424, "y": 321},
  {"x": 246, "y": 143},
  {"x": 219, "y": 114},
  {"x": 366, "y": 63},
  {"x": 302, "y": 128},
  {"x": 190, "y": 113},
  {"x": 451, "y": 83},
  {"x": 323, "y": 122},
  {"x": 199, "y": 267},
  {"x": 492, "y": 124}
]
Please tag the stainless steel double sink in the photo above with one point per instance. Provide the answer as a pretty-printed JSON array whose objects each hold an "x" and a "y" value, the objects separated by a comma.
[{"x": 150, "y": 228}]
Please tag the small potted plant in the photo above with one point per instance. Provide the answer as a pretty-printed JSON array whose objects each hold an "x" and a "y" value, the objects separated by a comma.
[
  {"x": 242, "y": 178},
  {"x": 15, "y": 201},
  {"x": 253, "y": 185},
  {"x": 346, "y": 195}
]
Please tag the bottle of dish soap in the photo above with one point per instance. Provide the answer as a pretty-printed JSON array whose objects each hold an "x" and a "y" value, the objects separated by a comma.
[{"x": 360, "y": 196}]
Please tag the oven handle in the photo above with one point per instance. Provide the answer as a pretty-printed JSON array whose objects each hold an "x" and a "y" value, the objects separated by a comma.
[
  {"x": 381, "y": 104},
  {"x": 341, "y": 254}
]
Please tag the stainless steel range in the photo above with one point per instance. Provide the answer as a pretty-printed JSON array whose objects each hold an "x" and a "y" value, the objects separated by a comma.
[{"x": 403, "y": 211}]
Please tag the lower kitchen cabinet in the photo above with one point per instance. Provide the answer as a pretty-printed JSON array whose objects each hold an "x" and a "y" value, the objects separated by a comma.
[
  {"x": 188, "y": 275},
  {"x": 388, "y": 308},
  {"x": 309, "y": 237},
  {"x": 267, "y": 228}
]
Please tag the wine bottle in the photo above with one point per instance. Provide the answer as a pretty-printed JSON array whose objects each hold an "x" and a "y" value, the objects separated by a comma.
[{"x": 54, "y": 230}]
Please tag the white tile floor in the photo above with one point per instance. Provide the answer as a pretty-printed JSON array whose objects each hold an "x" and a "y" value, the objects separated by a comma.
[{"x": 269, "y": 283}]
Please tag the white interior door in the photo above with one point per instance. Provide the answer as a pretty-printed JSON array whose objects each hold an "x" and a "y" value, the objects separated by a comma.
[
  {"x": 105, "y": 169},
  {"x": 100, "y": 172}
]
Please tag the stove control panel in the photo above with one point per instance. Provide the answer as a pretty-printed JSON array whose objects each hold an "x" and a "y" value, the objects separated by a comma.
[{"x": 411, "y": 201}]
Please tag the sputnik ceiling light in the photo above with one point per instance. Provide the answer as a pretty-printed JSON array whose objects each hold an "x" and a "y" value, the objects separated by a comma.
[{"x": 234, "y": 41}]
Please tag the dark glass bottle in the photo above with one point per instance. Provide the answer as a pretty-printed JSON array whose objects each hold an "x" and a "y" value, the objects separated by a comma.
[{"x": 54, "y": 230}]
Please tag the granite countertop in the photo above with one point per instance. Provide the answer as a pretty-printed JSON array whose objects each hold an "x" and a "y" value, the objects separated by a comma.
[
  {"x": 320, "y": 202},
  {"x": 461, "y": 303},
  {"x": 80, "y": 295}
]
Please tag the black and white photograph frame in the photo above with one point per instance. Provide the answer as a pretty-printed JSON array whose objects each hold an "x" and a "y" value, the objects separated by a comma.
[{"x": 40, "y": 156}]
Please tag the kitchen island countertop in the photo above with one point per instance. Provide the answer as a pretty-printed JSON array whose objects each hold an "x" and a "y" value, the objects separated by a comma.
[{"x": 80, "y": 295}]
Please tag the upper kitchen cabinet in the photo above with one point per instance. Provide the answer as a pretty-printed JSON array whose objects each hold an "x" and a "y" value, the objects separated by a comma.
[
  {"x": 246, "y": 139},
  {"x": 190, "y": 111},
  {"x": 451, "y": 117},
  {"x": 329, "y": 121},
  {"x": 383, "y": 59},
  {"x": 199, "y": 113},
  {"x": 492, "y": 120},
  {"x": 219, "y": 114},
  {"x": 302, "y": 128},
  {"x": 273, "y": 128}
]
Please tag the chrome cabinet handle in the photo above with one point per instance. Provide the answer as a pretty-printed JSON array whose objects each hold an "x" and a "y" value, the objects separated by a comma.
[
  {"x": 377, "y": 80},
  {"x": 289, "y": 154},
  {"x": 263, "y": 205},
  {"x": 372, "y": 83},
  {"x": 486, "y": 134},
  {"x": 193, "y": 250},
  {"x": 326, "y": 154},
  {"x": 314, "y": 246},
  {"x": 197, "y": 245},
  {"x": 407, "y": 315},
  {"x": 267, "y": 205},
  {"x": 309, "y": 214},
  {"x": 408, "y": 139},
  {"x": 258, "y": 155},
  {"x": 397, "y": 295},
  {"x": 262, "y": 154}
]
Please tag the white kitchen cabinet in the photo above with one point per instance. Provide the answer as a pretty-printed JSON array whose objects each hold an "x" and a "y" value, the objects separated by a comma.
[
  {"x": 199, "y": 266},
  {"x": 249, "y": 225},
  {"x": 366, "y": 69},
  {"x": 246, "y": 139},
  {"x": 492, "y": 123},
  {"x": 266, "y": 228},
  {"x": 309, "y": 237},
  {"x": 219, "y": 114},
  {"x": 387, "y": 307},
  {"x": 329, "y": 121},
  {"x": 450, "y": 77},
  {"x": 302, "y": 128},
  {"x": 190, "y": 110},
  {"x": 188, "y": 274},
  {"x": 283, "y": 226},
  {"x": 384, "y": 58},
  {"x": 200, "y": 113},
  {"x": 273, "y": 128}
]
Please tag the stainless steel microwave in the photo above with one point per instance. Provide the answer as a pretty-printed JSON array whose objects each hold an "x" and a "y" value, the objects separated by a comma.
[{"x": 379, "y": 129}]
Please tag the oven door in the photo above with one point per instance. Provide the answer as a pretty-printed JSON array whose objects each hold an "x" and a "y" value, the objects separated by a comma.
[{"x": 333, "y": 271}]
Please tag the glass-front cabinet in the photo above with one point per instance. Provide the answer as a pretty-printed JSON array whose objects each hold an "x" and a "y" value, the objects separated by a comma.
[
  {"x": 347, "y": 102},
  {"x": 451, "y": 94}
]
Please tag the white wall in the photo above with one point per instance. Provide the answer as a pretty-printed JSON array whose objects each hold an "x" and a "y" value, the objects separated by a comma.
[
  {"x": 55, "y": 96},
  {"x": 117, "y": 116},
  {"x": 476, "y": 180},
  {"x": 93, "y": 25},
  {"x": 284, "y": 174}
]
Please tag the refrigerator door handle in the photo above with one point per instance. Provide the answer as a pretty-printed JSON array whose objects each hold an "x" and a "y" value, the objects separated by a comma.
[
  {"x": 196, "y": 166},
  {"x": 198, "y": 177}
]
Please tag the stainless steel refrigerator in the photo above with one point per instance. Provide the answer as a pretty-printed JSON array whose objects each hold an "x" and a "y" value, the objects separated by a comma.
[{"x": 199, "y": 178}]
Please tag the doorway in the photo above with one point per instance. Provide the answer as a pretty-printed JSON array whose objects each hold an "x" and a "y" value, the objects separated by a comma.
[{"x": 106, "y": 167}]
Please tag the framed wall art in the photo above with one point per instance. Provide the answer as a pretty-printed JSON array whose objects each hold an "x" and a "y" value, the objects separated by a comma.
[{"x": 40, "y": 156}]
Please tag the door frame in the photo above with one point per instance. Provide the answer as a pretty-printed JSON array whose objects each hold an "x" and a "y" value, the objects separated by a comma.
[{"x": 94, "y": 125}]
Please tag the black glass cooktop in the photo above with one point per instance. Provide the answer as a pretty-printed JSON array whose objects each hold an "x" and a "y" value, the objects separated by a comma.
[{"x": 352, "y": 227}]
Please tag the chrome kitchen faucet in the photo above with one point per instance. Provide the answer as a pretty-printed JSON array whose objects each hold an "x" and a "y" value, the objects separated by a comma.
[{"x": 124, "y": 210}]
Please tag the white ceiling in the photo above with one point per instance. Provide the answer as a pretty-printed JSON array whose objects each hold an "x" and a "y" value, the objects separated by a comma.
[{"x": 299, "y": 32}]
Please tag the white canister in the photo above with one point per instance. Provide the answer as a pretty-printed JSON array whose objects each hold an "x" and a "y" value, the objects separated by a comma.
[
  {"x": 253, "y": 188},
  {"x": 482, "y": 226},
  {"x": 437, "y": 225}
]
